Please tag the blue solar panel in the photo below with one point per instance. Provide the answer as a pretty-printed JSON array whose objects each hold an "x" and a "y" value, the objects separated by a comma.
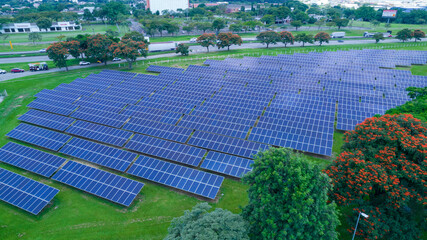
[
  {"x": 53, "y": 107},
  {"x": 165, "y": 149},
  {"x": 100, "y": 133},
  {"x": 25, "y": 193},
  {"x": 227, "y": 164},
  {"x": 30, "y": 159},
  {"x": 39, "y": 136},
  {"x": 101, "y": 117},
  {"x": 45, "y": 119},
  {"x": 99, "y": 183},
  {"x": 157, "y": 129},
  {"x": 176, "y": 176},
  {"x": 100, "y": 154}
]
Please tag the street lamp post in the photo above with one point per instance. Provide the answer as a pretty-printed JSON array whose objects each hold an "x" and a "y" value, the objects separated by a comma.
[{"x": 357, "y": 223}]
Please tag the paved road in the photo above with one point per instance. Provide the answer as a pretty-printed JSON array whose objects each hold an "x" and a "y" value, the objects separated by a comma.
[{"x": 195, "y": 49}]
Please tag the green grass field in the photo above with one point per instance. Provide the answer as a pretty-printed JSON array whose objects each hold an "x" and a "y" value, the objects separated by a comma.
[{"x": 77, "y": 215}]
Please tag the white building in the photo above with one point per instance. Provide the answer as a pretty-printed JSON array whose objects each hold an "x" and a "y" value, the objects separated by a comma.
[
  {"x": 32, "y": 27},
  {"x": 160, "y": 5}
]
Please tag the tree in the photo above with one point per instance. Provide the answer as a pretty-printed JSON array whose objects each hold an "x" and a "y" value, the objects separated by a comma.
[
  {"x": 34, "y": 37},
  {"x": 404, "y": 35},
  {"x": 287, "y": 37},
  {"x": 218, "y": 24},
  {"x": 206, "y": 40},
  {"x": 304, "y": 38},
  {"x": 87, "y": 15},
  {"x": 365, "y": 12},
  {"x": 288, "y": 198},
  {"x": 188, "y": 28},
  {"x": 113, "y": 9},
  {"x": 418, "y": 34},
  {"x": 378, "y": 37},
  {"x": 183, "y": 49},
  {"x": 417, "y": 107},
  {"x": 228, "y": 39},
  {"x": 268, "y": 37},
  {"x": 129, "y": 50},
  {"x": 375, "y": 23},
  {"x": 58, "y": 52},
  {"x": 135, "y": 36},
  {"x": 112, "y": 34},
  {"x": 61, "y": 37},
  {"x": 322, "y": 37},
  {"x": 381, "y": 172},
  {"x": 268, "y": 19},
  {"x": 44, "y": 23},
  {"x": 172, "y": 27},
  {"x": 331, "y": 24},
  {"x": 73, "y": 47},
  {"x": 320, "y": 23},
  {"x": 341, "y": 22},
  {"x": 296, "y": 24},
  {"x": 237, "y": 27},
  {"x": 203, "y": 26},
  {"x": 201, "y": 224},
  {"x": 98, "y": 47}
]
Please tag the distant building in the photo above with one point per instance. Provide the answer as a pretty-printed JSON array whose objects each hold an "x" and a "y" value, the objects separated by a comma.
[
  {"x": 161, "y": 5},
  {"x": 32, "y": 27}
]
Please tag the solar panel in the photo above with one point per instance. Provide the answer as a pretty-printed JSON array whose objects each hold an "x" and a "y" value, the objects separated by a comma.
[
  {"x": 24, "y": 193},
  {"x": 45, "y": 119},
  {"x": 227, "y": 164},
  {"x": 100, "y": 133},
  {"x": 53, "y": 107},
  {"x": 165, "y": 149},
  {"x": 176, "y": 176},
  {"x": 100, "y": 154},
  {"x": 39, "y": 136},
  {"x": 30, "y": 159},
  {"x": 99, "y": 183}
]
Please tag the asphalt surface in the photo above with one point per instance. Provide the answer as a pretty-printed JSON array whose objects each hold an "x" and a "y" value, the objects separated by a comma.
[{"x": 195, "y": 49}]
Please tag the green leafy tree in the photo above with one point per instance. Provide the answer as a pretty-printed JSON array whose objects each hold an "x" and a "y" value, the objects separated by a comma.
[
  {"x": 288, "y": 198},
  {"x": 206, "y": 40},
  {"x": 189, "y": 28},
  {"x": 268, "y": 19},
  {"x": 203, "y": 26},
  {"x": 200, "y": 224},
  {"x": 172, "y": 27},
  {"x": 61, "y": 37},
  {"x": 58, "y": 53},
  {"x": 322, "y": 37},
  {"x": 237, "y": 27},
  {"x": 417, "y": 107},
  {"x": 296, "y": 24},
  {"x": 218, "y": 24},
  {"x": 34, "y": 37},
  {"x": 331, "y": 24},
  {"x": 44, "y": 23},
  {"x": 228, "y": 39},
  {"x": 87, "y": 15},
  {"x": 129, "y": 50},
  {"x": 375, "y": 23},
  {"x": 304, "y": 38},
  {"x": 365, "y": 12},
  {"x": 287, "y": 37},
  {"x": 268, "y": 37},
  {"x": 418, "y": 34},
  {"x": 381, "y": 172},
  {"x": 251, "y": 25},
  {"x": 98, "y": 47},
  {"x": 341, "y": 22},
  {"x": 404, "y": 35},
  {"x": 378, "y": 37},
  {"x": 183, "y": 49},
  {"x": 113, "y": 9},
  {"x": 135, "y": 36},
  {"x": 112, "y": 34}
]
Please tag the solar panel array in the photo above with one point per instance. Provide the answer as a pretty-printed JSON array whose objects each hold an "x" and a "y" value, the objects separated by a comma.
[
  {"x": 24, "y": 193},
  {"x": 212, "y": 118}
]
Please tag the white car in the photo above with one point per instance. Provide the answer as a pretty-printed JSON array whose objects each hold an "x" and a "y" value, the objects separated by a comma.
[
  {"x": 84, "y": 63},
  {"x": 42, "y": 50},
  {"x": 116, "y": 59},
  {"x": 193, "y": 40},
  {"x": 3, "y": 71}
]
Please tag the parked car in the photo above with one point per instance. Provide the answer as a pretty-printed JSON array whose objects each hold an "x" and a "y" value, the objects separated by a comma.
[
  {"x": 17, "y": 70},
  {"x": 42, "y": 50},
  {"x": 99, "y": 61},
  {"x": 193, "y": 40},
  {"x": 81, "y": 63},
  {"x": 116, "y": 59},
  {"x": 2, "y": 71},
  {"x": 38, "y": 66}
]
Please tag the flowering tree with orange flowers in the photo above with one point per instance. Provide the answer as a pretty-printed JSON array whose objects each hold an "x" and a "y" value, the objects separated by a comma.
[
  {"x": 382, "y": 172},
  {"x": 228, "y": 39},
  {"x": 322, "y": 37},
  {"x": 59, "y": 53},
  {"x": 129, "y": 50},
  {"x": 287, "y": 37},
  {"x": 98, "y": 47}
]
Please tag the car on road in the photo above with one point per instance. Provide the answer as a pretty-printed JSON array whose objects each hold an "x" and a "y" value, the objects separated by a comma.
[
  {"x": 2, "y": 71},
  {"x": 17, "y": 70},
  {"x": 42, "y": 50},
  {"x": 193, "y": 40},
  {"x": 340, "y": 41},
  {"x": 81, "y": 63},
  {"x": 116, "y": 59}
]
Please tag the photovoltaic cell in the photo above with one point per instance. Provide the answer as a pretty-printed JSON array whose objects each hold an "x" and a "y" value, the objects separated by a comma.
[
  {"x": 39, "y": 136},
  {"x": 176, "y": 176},
  {"x": 24, "y": 193},
  {"x": 30, "y": 159},
  {"x": 227, "y": 164},
  {"x": 100, "y": 154},
  {"x": 45, "y": 119},
  {"x": 99, "y": 183}
]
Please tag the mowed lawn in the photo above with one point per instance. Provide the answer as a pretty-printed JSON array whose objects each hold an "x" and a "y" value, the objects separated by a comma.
[{"x": 77, "y": 215}]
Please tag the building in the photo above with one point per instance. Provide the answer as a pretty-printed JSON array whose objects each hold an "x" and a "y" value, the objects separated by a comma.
[
  {"x": 32, "y": 27},
  {"x": 161, "y": 5}
]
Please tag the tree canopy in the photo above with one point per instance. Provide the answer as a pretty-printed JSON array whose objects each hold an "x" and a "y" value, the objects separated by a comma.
[
  {"x": 404, "y": 35},
  {"x": 418, "y": 34},
  {"x": 288, "y": 198},
  {"x": 417, "y": 107},
  {"x": 268, "y": 37},
  {"x": 287, "y": 37},
  {"x": 44, "y": 23},
  {"x": 129, "y": 50},
  {"x": 228, "y": 39},
  {"x": 58, "y": 52},
  {"x": 206, "y": 40},
  {"x": 98, "y": 47},
  {"x": 322, "y": 37},
  {"x": 304, "y": 38}
]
